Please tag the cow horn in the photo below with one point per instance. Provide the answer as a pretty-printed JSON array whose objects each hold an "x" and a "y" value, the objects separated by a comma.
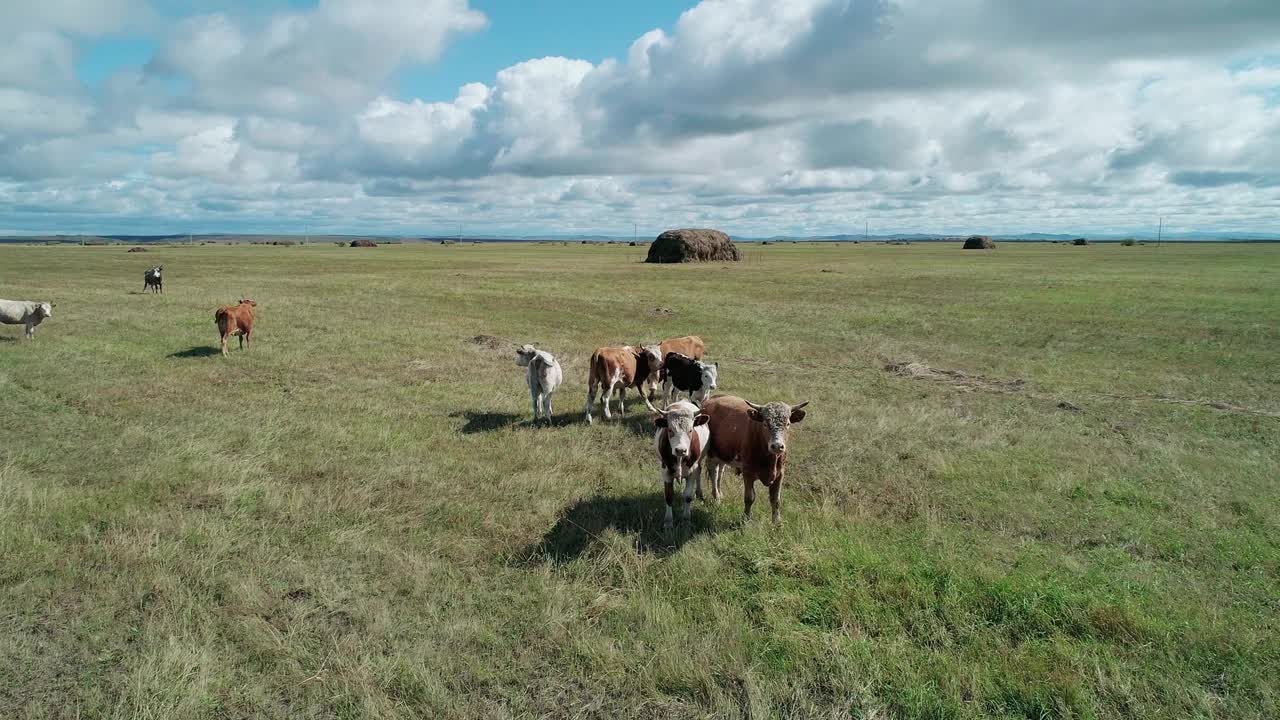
[
  {"x": 797, "y": 407},
  {"x": 753, "y": 406}
]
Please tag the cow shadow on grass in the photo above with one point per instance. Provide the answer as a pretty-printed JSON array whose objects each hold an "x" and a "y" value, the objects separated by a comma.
[
  {"x": 482, "y": 422},
  {"x": 580, "y": 528},
  {"x": 197, "y": 351}
]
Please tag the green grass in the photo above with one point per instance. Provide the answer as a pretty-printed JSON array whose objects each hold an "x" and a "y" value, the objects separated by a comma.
[{"x": 356, "y": 519}]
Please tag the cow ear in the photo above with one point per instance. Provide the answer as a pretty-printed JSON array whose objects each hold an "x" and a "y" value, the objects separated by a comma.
[
  {"x": 660, "y": 422},
  {"x": 755, "y": 415},
  {"x": 701, "y": 420},
  {"x": 797, "y": 415}
]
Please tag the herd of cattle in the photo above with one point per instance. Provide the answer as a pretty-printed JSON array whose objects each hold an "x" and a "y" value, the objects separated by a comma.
[
  {"x": 701, "y": 432},
  {"x": 693, "y": 434},
  {"x": 232, "y": 320}
]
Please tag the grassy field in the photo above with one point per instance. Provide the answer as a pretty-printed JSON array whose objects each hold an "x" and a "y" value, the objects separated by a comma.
[{"x": 1067, "y": 507}]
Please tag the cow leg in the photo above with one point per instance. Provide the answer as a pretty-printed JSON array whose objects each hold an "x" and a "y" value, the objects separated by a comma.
[
  {"x": 668, "y": 489},
  {"x": 748, "y": 496},
  {"x": 716, "y": 470},
  {"x": 31, "y": 328},
  {"x": 245, "y": 337},
  {"x": 591, "y": 398},
  {"x": 241, "y": 338},
  {"x": 224, "y": 346},
  {"x": 546, "y": 407},
  {"x": 691, "y": 479},
  {"x": 622, "y": 399},
  {"x": 535, "y": 400},
  {"x": 604, "y": 399},
  {"x": 775, "y": 499}
]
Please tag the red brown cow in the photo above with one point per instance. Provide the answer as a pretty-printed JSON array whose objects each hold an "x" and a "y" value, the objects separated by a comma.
[
  {"x": 235, "y": 320},
  {"x": 753, "y": 439},
  {"x": 690, "y": 346},
  {"x": 614, "y": 369}
]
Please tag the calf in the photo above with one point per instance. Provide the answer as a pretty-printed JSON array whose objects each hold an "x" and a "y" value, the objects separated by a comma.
[
  {"x": 151, "y": 279},
  {"x": 753, "y": 439},
  {"x": 235, "y": 320},
  {"x": 681, "y": 439},
  {"x": 684, "y": 374},
  {"x": 542, "y": 373},
  {"x": 25, "y": 312},
  {"x": 614, "y": 369}
]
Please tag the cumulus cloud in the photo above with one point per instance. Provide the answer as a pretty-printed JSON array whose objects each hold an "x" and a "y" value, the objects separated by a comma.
[{"x": 765, "y": 116}]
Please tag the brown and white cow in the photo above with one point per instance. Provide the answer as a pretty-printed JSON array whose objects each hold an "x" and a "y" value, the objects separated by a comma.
[
  {"x": 235, "y": 320},
  {"x": 753, "y": 439},
  {"x": 614, "y": 369},
  {"x": 681, "y": 440},
  {"x": 690, "y": 346}
]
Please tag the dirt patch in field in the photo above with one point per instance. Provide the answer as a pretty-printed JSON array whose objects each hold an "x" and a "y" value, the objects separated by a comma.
[
  {"x": 492, "y": 343},
  {"x": 955, "y": 378},
  {"x": 660, "y": 312}
]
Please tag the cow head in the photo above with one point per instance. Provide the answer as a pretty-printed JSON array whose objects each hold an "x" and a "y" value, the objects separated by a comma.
[
  {"x": 679, "y": 419},
  {"x": 44, "y": 310},
  {"x": 777, "y": 417},
  {"x": 710, "y": 376},
  {"x": 250, "y": 303},
  {"x": 648, "y": 360},
  {"x": 525, "y": 355}
]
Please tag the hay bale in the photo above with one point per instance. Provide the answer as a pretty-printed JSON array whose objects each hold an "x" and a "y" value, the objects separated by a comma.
[
  {"x": 363, "y": 243},
  {"x": 136, "y": 249},
  {"x": 979, "y": 242},
  {"x": 693, "y": 245},
  {"x": 1079, "y": 241}
]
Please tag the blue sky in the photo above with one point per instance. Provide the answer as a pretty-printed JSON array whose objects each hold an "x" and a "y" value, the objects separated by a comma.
[{"x": 762, "y": 118}]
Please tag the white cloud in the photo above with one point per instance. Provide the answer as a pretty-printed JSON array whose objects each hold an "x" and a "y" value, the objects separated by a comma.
[{"x": 766, "y": 116}]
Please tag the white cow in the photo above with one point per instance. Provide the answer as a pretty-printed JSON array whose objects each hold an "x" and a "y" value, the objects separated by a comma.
[
  {"x": 24, "y": 312},
  {"x": 542, "y": 372}
]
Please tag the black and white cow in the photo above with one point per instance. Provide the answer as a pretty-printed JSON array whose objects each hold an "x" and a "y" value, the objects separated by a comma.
[
  {"x": 681, "y": 373},
  {"x": 151, "y": 279},
  {"x": 681, "y": 438}
]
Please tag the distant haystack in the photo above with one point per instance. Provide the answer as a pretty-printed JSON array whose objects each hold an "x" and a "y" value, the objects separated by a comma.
[
  {"x": 693, "y": 245},
  {"x": 136, "y": 249},
  {"x": 979, "y": 242},
  {"x": 363, "y": 242},
  {"x": 1079, "y": 241}
]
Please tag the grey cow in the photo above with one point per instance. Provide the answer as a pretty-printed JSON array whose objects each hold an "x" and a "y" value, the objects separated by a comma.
[
  {"x": 542, "y": 372},
  {"x": 24, "y": 312}
]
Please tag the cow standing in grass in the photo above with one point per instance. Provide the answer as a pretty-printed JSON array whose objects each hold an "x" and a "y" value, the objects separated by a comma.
[
  {"x": 684, "y": 374},
  {"x": 151, "y": 279},
  {"x": 614, "y": 369},
  {"x": 25, "y": 312},
  {"x": 542, "y": 373},
  {"x": 681, "y": 440},
  {"x": 753, "y": 439},
  {"x": 235, "y": 320}
]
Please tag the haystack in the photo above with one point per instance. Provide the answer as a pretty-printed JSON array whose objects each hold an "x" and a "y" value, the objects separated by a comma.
[
  {"x": 1080, "y": 241},
  {"x": 692, "y": 245},
  {"x": 979, "y": 242},
  {"x": 363, "y": 243}
]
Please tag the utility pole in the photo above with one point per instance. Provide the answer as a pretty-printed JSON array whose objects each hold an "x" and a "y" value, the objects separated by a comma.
[
  {"x": 635, "y": 232},
  {"x": 1160, "y": 232},
  {"x": 459, "y": 232},
  {"x": 866, "y": 230}
]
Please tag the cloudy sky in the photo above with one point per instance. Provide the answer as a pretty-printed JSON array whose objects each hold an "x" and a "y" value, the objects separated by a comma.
[{"x": 552, "y": 116}]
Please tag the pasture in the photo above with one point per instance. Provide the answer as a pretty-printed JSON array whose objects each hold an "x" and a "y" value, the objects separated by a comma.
[{"x": 1059, "y": 500}]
